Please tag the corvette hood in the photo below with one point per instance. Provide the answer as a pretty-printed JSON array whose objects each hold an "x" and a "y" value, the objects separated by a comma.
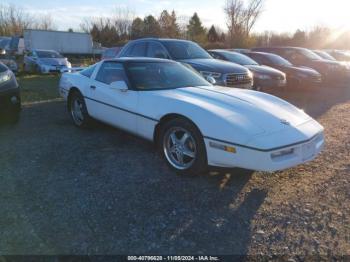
[{"x": 267, "y": 112}]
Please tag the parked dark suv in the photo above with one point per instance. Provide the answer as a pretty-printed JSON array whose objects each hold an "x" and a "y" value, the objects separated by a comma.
[
  {"x": 10, "y": 102},
  {"x": 331, "y": 71},
  {"x": 296, "y": 76},
  {"x": 265, "y": 77},
  {"x": 187, "y": 52}
]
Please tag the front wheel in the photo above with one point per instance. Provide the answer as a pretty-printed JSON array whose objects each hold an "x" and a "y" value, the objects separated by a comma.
[
  {"x": 78, "y": 111},
  {"x": 182, "y": 146}
]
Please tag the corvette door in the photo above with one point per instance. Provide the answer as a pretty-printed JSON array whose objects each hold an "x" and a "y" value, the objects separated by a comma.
[{"x": 116, "y": 107}]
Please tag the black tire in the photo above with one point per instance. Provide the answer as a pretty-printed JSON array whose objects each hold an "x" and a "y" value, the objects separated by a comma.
[
  {"x": 199, "y": 164},
  {"x": 13, "y": 117},
  {"x": 84, "y": 120}
]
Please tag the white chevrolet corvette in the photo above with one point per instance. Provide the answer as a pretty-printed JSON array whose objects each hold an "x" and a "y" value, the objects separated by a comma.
[{"x": 193, "y": 123}]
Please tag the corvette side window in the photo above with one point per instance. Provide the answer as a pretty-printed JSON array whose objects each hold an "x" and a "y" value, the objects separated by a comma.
[{"x": 111, "y": 72}]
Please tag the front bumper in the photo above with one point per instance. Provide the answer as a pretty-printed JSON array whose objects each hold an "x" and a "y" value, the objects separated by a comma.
[
  {"x": 267, "y": 160},
  {"x": 269, "y": 83},
  {"x": 46, "y": 69},
  {"x": 337, "y": 77},
  {"x": 243, "y": 85},
  {"x": 294, "y": 81},
  {"x": 243, "y": 81}
]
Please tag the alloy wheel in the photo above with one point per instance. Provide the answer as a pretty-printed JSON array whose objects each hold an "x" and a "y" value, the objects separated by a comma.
[
  {"x": 77, "y": 111},
  {"x": 180, "y": 148}
]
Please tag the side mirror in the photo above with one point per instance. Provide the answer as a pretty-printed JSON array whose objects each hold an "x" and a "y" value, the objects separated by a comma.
[
  {"x": 211, "y": 80},
  {"x": 119, "y": 85}
]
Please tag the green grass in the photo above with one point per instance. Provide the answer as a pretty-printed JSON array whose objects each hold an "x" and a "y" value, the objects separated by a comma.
[{"x": 36, "y": 88}]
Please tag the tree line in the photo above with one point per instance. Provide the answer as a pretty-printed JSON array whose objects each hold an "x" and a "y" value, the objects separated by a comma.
[
  {"x": 241, "y": 17},
  {"x": 122, "y": 25},
  {"x": 13, "y": 20},
  {"x": 319, "y": 37}
]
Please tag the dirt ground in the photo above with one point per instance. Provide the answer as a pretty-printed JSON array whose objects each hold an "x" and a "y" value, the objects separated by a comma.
[{"x": 102, "y": 191}]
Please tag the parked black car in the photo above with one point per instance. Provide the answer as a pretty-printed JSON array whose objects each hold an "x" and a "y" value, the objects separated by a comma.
[
  {"x": 324, "y": 55},
  {"x": 339, "y": 55},
  {"x": 296, "y": 76},
  {"x": 331, "y": 71},
  {"x": 264, "y": 76},
  {"x": 239, "y": 50},
  {"x": 10, "y": 101},
  {"x": 187, "y": 52}
]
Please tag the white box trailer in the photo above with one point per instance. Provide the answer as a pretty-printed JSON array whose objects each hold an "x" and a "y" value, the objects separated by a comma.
[{"x": 60, "y": 41}]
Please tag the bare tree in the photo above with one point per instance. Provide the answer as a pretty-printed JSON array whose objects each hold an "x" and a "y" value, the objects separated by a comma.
[
  {"x": 241, "y": 18},
  {"x": 112, "y": 30},
  {"x": 86, "y": 25},
  {"x": 44, "y": 22},
  {"x": 122, "y": 19},
  {"x": 182, "y": 22},
  {"x": 14, "y": 20},
  {"x": 252, "y": 13},
  {"x": 234, "y": 10}
]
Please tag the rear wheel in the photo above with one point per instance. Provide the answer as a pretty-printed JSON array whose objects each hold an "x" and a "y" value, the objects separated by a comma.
[
  {"x": 182, "y": 146},
  {"x": 78, "y": 111}
]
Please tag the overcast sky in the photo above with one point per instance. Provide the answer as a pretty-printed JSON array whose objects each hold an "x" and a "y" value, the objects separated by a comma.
[{"x": 279, "y": 15}]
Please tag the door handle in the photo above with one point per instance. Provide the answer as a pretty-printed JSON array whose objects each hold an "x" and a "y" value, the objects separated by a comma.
[{"x": 93, "y": 87}]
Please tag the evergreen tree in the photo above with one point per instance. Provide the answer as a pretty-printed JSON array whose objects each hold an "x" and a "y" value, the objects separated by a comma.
[
  {"x": 168, "y": 25},
  {"x": 212, "y": 35},
  {"x": 222, "y": 38},
  {"x": 137, "y": 28},
  {"x": 151, "y": 27},
  {"x": 299, "y": 38},
  {"x": 195, "y": 29}
]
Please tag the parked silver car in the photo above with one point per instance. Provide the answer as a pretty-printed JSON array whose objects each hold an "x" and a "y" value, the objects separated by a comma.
[{"x": 45, "y": 61}]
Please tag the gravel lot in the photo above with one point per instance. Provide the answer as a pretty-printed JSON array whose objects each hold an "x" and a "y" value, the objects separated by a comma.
[{"x": 102, "y": 191}]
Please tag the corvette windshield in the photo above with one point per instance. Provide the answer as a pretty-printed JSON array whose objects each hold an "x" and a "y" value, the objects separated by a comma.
[
  {"x": 160, "y": 75},
  {"x": 180, "y": 50}
]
